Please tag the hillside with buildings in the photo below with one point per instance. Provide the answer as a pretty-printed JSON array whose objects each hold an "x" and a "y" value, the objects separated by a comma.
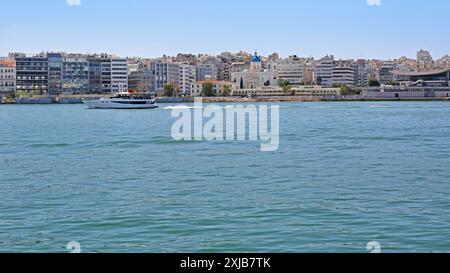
[{"x": 239, "y": 74}]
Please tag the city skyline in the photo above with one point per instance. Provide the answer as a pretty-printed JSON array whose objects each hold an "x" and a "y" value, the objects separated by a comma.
[
  {"x": 170, "y": 57},
  {"x": 348, "y": 29}
]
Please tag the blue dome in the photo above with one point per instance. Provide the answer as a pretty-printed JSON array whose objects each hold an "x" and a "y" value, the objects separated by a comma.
[{"x": 256, "y": 58}]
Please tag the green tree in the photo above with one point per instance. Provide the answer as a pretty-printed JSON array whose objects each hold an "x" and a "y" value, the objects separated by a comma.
[
  {"x": 208, "y": 89},
  {"x": 287, "y": 90},
  {"x": 394, "y": 83},
  {"x": 374, "y": 83},
  {"x": 346, "y": 90},
  {"x": 169, "y": 90},
  {"x": 283, "y": 83},
  {"x": 177, "y": 91},
  {"x": 286, "y": 86},
  {"x": 226, "y": 90},
  {"x": 22, "y": 94}
]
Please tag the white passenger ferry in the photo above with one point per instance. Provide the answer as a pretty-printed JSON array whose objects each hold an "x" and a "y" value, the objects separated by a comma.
[{"x": 123, "y": 100}]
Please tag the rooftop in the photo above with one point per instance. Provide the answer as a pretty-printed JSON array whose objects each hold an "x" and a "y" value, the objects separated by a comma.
[
  {"x": 7, "y": 63},
  {"x": 421, "y": 73}
]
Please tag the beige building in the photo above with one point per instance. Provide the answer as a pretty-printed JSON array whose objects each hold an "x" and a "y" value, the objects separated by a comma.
[
  {"x": 218, "y": 86},
  {"x": 315, "y": 91},
  {"x": 291, "y": 70},
  {"x": 308, "y": 75},
  {"x": 7, "y": 77}
]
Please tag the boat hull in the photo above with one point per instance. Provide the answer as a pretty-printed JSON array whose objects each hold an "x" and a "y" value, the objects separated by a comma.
[{"x": 109, "y": 105}]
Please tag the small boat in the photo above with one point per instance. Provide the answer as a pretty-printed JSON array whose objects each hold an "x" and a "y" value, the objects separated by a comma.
[{"x": 123, "y": 100}]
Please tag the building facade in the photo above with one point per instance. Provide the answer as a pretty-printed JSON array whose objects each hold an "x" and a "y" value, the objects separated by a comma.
[
  {"x": 218, "y": 87},
  {"x": 399, "y": 92},
  {"x": 141, "y": 81},
  {"x": 55, "y": 73},
  {"x": 362, "y": 73},
  {"x": 7, "y": 77},
  {"x": 32, "y": 74},
  {"x": 324, "y": 71},
  {"x": 95, "y": 74},
  {"x": 119, "y": 75},
  {"x": 166, "y": 72},
  {"x": 291, "y": 70},
  {"x": 386, "y": 74},
  {"x": 431, "y": 78},
  {"x": 307, "y": 92},
  {"x": 187, "y": 78},
  {"x": 206, "y": 71},
  {"x": 75, "y": 76},
  {"x": 344, "y": 74},
  {"x": 224, "y": 70}
]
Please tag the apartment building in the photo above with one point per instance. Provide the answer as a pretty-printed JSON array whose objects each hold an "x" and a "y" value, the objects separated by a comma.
[
  {"x": 119, "y": 75},
  {"x": 166, "y": 72},
  {"x": 7, "y": 76},
  {"x": 291, "y": 69},
  {"x": 187, "y": 77},
  {"x": 385, "y": 72},
  {"x": 324, "y": 71},
  {"x": 55, "y": 73},
  {"x": 75, "y": 76},
  {"x": 32, "y": 74},
  {"x": 344, "y": 74},
  {"x": 362, "y": 73},
  {"x": 206, "y": 71}
]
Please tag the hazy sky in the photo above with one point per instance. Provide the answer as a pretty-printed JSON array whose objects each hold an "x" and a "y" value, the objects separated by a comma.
[{"x": 150, "y": 28}]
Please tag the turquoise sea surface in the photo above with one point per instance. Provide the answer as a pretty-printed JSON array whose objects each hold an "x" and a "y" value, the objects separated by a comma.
[{"x": 345, "y": 174}]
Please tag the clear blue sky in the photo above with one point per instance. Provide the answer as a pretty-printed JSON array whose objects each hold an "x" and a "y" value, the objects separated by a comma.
[{"x": 150, "y": 28}]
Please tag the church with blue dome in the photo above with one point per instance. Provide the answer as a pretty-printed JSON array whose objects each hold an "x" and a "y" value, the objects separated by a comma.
[
  {"x": 256, "y": 58},
  {"x": 255, "y": 76}
]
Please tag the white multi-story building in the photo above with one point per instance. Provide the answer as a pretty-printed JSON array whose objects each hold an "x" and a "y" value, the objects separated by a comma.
[
  {"x": 291, "y": 70},
  {"x": 344, "y": 74},
  {"x": 324, "y": 71},
  {"x": 119, "y": 74},
  {"x": 180, "y": 74},
  {"x": 187, "y": 77},
  {"x": 7, "y": 77}
]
